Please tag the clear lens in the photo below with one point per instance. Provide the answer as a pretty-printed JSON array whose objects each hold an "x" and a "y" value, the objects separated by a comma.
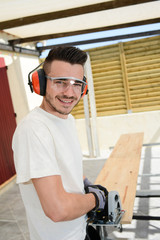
[{"x": 63, "y": 83}]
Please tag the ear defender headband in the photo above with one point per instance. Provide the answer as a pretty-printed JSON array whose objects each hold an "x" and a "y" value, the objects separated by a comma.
[{"x": 37, "y": 82}]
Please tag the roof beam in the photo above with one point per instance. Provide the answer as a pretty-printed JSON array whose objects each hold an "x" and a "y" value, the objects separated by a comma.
[
  {"x": 119, "y": 37},
  {"x": 16, "y": 49},
  {"x": 68, "y": 13},
  {"x": 85, "y": 31}
]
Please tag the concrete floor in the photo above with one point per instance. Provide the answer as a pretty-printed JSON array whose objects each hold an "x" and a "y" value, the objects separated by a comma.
[{"x": 13, "y": 224}]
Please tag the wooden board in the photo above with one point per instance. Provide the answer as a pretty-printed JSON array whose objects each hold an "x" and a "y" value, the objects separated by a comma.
[{"x": 121, "y": 169}]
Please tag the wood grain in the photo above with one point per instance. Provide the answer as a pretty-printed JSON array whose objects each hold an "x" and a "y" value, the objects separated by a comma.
[{"x": 121, "y": 169}]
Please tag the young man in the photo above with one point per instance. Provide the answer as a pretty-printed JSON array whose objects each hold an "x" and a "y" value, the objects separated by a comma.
[{"x": 48, "y": 157}]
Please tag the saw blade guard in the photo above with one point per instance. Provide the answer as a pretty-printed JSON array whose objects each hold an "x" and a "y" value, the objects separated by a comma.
[{"x": 114, "y": 206}]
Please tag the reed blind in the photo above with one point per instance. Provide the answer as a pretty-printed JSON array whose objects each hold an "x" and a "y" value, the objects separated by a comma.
[{"x": 126, "y": 77}]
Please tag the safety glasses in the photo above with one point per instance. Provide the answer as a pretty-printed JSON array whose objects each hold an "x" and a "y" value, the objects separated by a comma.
[{"x": 63, "y": 83}]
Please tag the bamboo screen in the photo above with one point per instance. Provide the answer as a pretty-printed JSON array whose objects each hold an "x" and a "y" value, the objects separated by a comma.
[
  {"x": 143, "y": 71},
  {"x": 126, "y": 77}
]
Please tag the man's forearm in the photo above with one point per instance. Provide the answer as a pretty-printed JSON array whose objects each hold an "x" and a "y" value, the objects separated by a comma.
[
  {"x": 58, "y": 204},
  {"x": 73, "y": 206}
]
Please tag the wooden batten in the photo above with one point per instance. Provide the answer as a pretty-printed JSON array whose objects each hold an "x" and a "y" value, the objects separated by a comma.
[
  {"x": 142, "y": 54},
  {"x": 101, "y": 65},
  {"x": 107, "y": 60},
  {"x": 144, "y": 62},
  {"x": 146, "y": 109},
  {"x": 125, "y": 76},
  {"x": 145, "y": 81},
  {"x": 142, "y": 43},
  {"x": 145, "y": 67},
  {"x": 146, "y": 95},
  {"x": 140, "y": 91}
]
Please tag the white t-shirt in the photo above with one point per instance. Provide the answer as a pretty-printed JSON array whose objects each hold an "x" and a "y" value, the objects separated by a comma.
[{"x": 46, "y": 145}]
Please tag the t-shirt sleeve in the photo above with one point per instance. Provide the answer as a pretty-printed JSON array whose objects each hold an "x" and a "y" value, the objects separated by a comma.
[{"x": 34, "y": 152}]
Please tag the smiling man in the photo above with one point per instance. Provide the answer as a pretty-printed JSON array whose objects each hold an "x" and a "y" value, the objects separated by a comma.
[
  {"x": 48, "y": 157},
  {"x": 63, "y": 93}
]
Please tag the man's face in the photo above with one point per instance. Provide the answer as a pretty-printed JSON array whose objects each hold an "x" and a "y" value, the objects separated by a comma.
[{"x": 60, "y": 100}]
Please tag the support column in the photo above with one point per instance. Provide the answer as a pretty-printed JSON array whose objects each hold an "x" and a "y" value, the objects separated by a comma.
[
  {"x": 88, "y": 126},
  {"x": 88, "y": 72}
]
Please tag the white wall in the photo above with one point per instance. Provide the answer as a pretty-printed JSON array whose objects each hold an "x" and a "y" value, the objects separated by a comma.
[{"x": 110, "y": 128}]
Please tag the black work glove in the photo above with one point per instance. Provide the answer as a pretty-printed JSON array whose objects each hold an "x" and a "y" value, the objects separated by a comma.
[
  {"x": 100, "y": 194},
  {"x": 100, "y": 212}
]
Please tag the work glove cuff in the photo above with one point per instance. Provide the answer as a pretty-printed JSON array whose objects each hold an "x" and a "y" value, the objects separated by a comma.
[{"x": 97, "y": 202}]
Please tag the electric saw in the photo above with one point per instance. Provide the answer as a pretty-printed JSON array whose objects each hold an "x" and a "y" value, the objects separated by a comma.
[{"x": 111, "y": 214}]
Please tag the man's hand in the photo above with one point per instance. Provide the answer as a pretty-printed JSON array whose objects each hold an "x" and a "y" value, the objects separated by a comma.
[{"x": 100, "y": 194}]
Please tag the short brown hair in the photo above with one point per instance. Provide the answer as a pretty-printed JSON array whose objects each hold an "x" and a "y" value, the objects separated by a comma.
[{"x": 71, "y": 55}]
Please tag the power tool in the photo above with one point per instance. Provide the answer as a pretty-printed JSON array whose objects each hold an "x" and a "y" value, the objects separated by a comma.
[{"x": 112, "y": 213}]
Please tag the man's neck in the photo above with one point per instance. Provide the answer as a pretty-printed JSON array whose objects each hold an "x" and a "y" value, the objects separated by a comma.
[{"x": 46, "y": 107}]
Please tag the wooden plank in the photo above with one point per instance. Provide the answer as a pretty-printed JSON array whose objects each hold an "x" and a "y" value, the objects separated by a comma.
[
  {"x": 109, "y": 77},
  {"x": 109, "y": 49},
  {"x": 144, "y": 73},
  {"x": 143, "y": 81},
  {"x": 102, "y": 71},
  {"x": 105, "y": 64},
  {"x": 146, "y": 109},
  {"x": 103, "y": 81},
  {"x": 95, "y": 60},
  {"x": 141, "y": 54},
  {"x": 110, "y": 112},
  {"x": 154, "y": 100},
  {"x": 149, "y": 90},
  {"x": 105, "y": 55},
  {"x": 146, "y": 95},
  {"x": 121, "y": 169},
  {"x": 145, "y": 67},
  {"x": 146, "y": 104},
  {"x": 111, "y": 99},
  {"x": 141, "y": 43},
  {"x": 145, "y": 62},
  {"x": 142, "y": 58}
]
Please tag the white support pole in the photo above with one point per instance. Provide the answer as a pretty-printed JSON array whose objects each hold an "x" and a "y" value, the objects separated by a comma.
[
  {"x": 88, "y": 72},
  {"x": 88, "y": 126}
]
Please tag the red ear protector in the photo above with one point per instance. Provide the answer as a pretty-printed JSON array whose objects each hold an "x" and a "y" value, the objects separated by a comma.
[
  {"x": 37, "y": 82},
  {"x": 85, "y": 89}
]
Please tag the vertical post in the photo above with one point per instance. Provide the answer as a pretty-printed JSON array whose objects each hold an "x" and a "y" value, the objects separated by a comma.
[
  {"x": 88, "y": 72},
  {"x": 88, "y": 126},
  {"x": 125, "y": 77}
]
